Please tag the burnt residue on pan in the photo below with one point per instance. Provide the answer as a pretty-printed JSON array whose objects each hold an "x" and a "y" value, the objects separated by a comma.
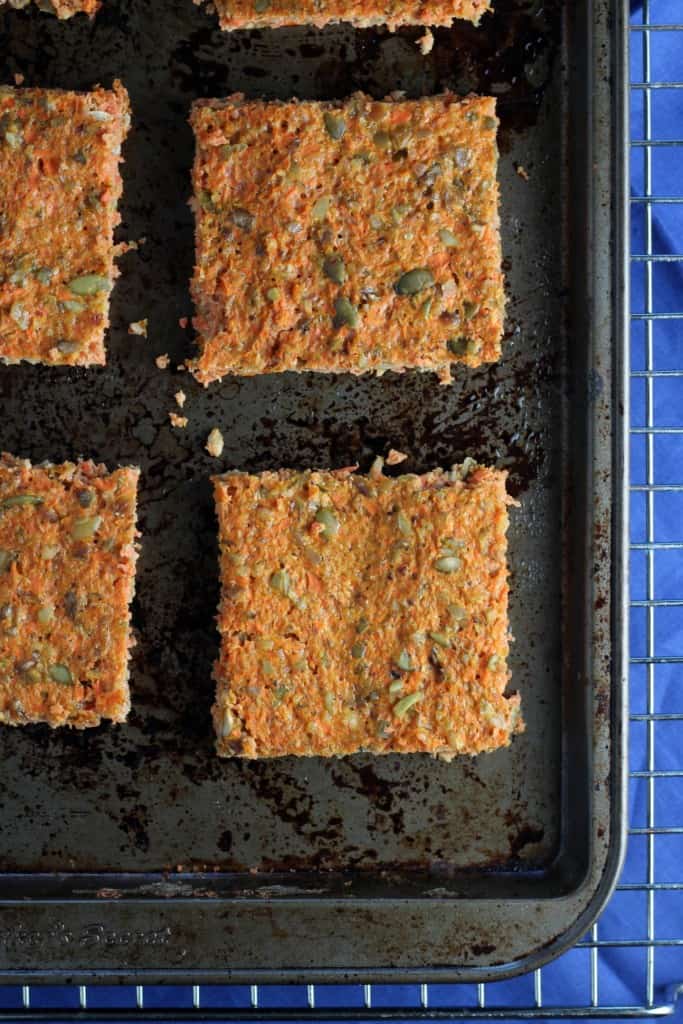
[{"x": 152, "y": 795}]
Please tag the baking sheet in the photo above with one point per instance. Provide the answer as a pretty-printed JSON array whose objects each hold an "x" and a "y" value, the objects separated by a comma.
[{"x": 147, "y": 810}]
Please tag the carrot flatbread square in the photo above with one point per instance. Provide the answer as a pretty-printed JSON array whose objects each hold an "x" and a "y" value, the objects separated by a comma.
[
  {"x": 67, "y": 575},
  {"x": 59, "y": 168},
  {"x": 363, "y": 613},
  {"x": 355, "y": 237}
]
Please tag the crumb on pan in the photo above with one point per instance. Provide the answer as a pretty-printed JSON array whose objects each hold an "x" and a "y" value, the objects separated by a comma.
[
  {"x": 180, "y": 398},
  {"x": 138, "y": 327},
  {"x": 394, "y": 458},
  {"x": 215, "y": 443},
  {"x": 522, "y": 171},
  {"x": 67, "y": 575},
  {"x": 426, "y": 43},
  {"x": 162, "y": 361},
  {"x": 59, "y": 168},
  {"x": 176, "y": 420},
  {"x": 63, "y": 9},
  {"x": 363, "y": 612},
  {"x": 367, "y": 233}
]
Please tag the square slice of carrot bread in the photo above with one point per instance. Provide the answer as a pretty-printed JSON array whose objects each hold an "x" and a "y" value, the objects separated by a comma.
[
  {"x": 363, "y": 613},
  {"x": 241, "y": 14},
  {"x": 353, "y": 237},
  {"x": 59, "y": 167},
  {"x": 67, "y": 575},
  {"x": 62, "y": 8}
]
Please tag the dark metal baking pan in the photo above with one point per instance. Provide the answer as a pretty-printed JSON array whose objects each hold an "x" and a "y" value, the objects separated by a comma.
[{"x": 133, "y": 852}]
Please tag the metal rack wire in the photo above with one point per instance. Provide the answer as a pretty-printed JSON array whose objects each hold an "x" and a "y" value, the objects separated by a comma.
[{"x": 631, "y": 962}]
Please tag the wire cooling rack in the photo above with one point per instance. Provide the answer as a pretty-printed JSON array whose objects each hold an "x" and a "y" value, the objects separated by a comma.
[{"x": 631, "y": 962}]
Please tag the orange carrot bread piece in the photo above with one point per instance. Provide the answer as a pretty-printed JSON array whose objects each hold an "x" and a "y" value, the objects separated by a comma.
[
  {"x": 59, "y": 167},
  {"x": 236, "y": 14},
  {"x": 363, "y": 613},
  {"x": 62, "y": 8},
  {"x": 353, "y": 237},
  {"x": 67, "y": 575}
]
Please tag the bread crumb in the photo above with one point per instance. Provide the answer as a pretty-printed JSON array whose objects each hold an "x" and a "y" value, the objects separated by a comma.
[
  {"x": 18, "y": 79},
  {"x": 522, "y": 171},
  {"x": 180, "y": 397},
  {"x": 183, "y": 322},
  {"x": 393, "y": 457},
  {"x": 214, "y": 443},
  {"x": 426, "y": 43},
  {"x": 176, "y": 420},
  {"x": 162, "y": 361},
  {"x": 138, "y": 327}
]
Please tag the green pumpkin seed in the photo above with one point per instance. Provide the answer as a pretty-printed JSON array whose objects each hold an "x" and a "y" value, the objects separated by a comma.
[
  {"x": 85, "y": 529},
  {"x": 407, "y": 702},
  {"x": 260, "y": 6},
  {"x": 396, "y": 686},
  {"x": 470, "y": 309},
  {"x": 46, "y": 614},
  {"x": 490, "y": 123},
  {"x": 242, "y": 218},
  {"x": 414, "y": 281},
  {"x": 273, "y": 294},
  {"x": 20, "y": 316},
  {"x": 281, "y": 582},
  {"x": 358, "y": 651},
  {"x": 22, "y": 499},
  {"x": 403, "y": 523},
  {"x": 461, "y": 346},
  {"x": 448, "y": 238},
  {"x": 329, "y": 521},
  {"x": 6, "y": 559},
  {"x": 71, "y": 306},
  {"x": 382, "y": 139},
  {"x": 45, "y": 275},
  {"x": 362, "y": 625},
  {"x": 67, "y": 348},
  {"x": 345, "y": 313},
  {"x": 89, "y": 284},
  {"x": 403, "y": 661},
  {"x": 439, "y": 638},
  {"x": 447, "y": 563},
  {"x": 228, "y": 723},
  {"x": 60, "y": 674},
  {"x": 334, "y": 126},
  {"x": 334, "y": 269},
  {"x": 457, "y": 612},
  {"x": 321, "y": 207}
]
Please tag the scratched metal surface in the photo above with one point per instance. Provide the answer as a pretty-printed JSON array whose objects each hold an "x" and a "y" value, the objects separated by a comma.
[{"x": 151, "y": 796}]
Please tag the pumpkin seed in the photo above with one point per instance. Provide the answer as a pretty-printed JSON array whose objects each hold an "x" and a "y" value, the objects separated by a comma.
[
  {"x": 396, "y": 686},
  {"x": 329, "y": 522},
  {"x": 345, "y": 313},
  {"x": 457, "y": 612},
  {"x": 45, "y": 274},
  {"x": 46, "y": 614},
  {"x": 334, "y": 126},
  {"x": 67, "y": 348},
  {"x": 71, "y": 306},
  {"x": 404, "y": 662},
  {"x": 273, "y": 294},
  {"x": 447, "y": 563},
  {"x": 329, "y": 701},
  {"x": 242, "y": 218},
  {"x": 281, "y": 582},
  {"x": 321, "y": 207},
  {"x": 228, "y": 723},
  {"x": 60, "y": 674},
  {"x": 85, "y": 529},
  {"x": 439, "y": 638},
  {"x": 22, "y": 499},
  {"x": 407, "y": 702},
  {"x": 362, "y": 625},
  {"x": 403, "y": 523},
  {"x": 48, "y": 551},
  {"x": 89, "y": 284},
  {"x": 334, "y": 269},
  {"x": 85, "y": 498},
  {"x": 414, "y": 281},
  {"x": 470, "y": 309},
  {"x": 490, "y": 123},
  {"x": 6, "y": 559},
  {"x": 20, "y": 315},
  {"x": 358, "y": 650},
  {"x": 448, "y": 238},
  {"x": 382, "y": 139},
  {"x": 461, "y": 346}
]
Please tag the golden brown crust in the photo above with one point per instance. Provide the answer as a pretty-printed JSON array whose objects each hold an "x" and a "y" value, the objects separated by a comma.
[
  {"x": 346, "y": 238},
  {"x": 59, "y": 164},
  {"x": 67, "y": 574},
  {"x": 363, "y": 613},
  {"x": 240, "y": 14}
]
